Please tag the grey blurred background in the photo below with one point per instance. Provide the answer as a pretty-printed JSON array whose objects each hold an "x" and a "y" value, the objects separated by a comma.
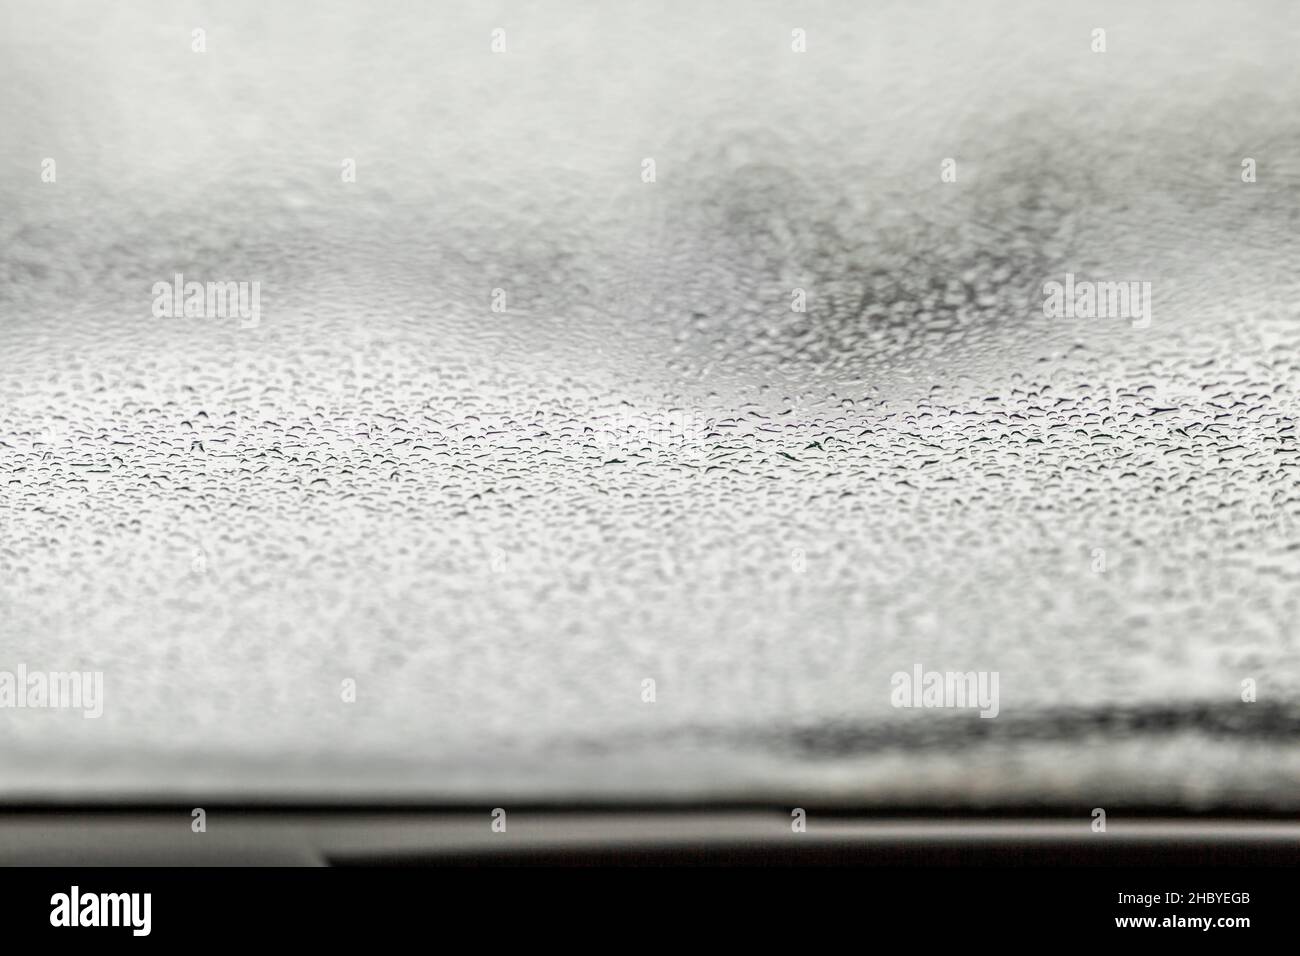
[{"x": 499, "y": 525}]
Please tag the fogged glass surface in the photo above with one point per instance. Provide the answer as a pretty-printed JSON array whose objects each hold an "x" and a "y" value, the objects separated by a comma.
[{"x": 520, "y": 428}]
